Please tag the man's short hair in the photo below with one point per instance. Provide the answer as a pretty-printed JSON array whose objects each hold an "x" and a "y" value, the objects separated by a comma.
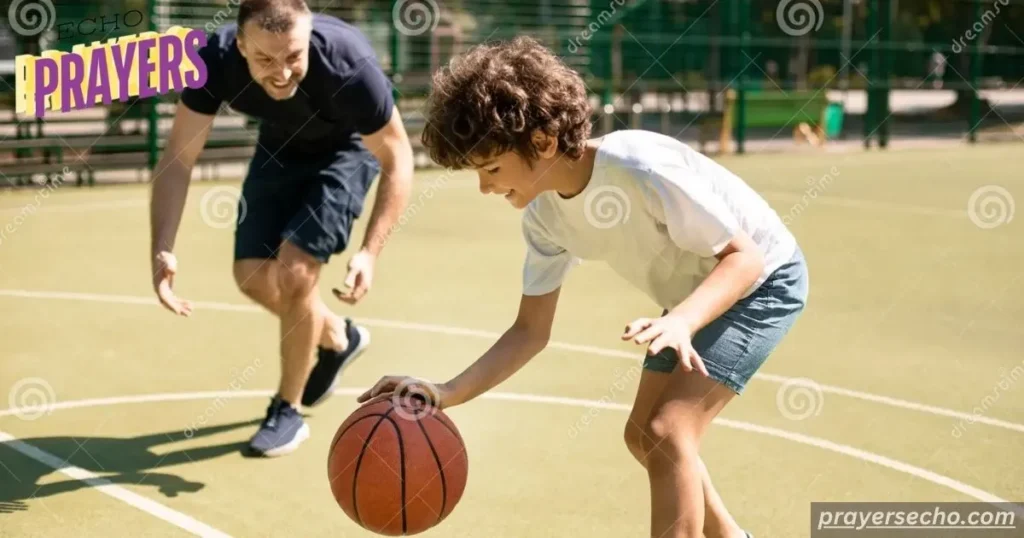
[{"x": 275, "y": 16}]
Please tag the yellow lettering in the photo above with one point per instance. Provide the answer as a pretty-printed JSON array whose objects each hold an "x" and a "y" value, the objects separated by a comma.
[{"x": 25, "y": 84}]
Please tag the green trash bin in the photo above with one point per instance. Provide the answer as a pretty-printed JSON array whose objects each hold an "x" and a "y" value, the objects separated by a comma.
[{"x": 833, "y": 120}]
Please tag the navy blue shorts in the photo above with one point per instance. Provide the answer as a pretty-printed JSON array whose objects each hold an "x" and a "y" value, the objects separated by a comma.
[{"x": 310, "y": 201}]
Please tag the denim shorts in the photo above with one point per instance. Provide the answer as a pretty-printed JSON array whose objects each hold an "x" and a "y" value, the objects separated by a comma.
[{"x": 737, "y": 343}]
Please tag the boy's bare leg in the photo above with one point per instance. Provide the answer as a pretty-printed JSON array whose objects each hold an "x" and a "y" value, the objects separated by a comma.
[{"x": 641, "y": 440}]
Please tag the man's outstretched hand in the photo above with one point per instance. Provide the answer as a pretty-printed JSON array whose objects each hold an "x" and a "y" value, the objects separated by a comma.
[{"x": 165, "y": 266}]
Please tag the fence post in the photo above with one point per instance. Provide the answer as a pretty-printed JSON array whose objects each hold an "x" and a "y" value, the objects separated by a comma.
[
  {"x": 741, "y": 21},
  {"x": 396, "y": 51},
  {"x": 975, "y": 109},
  {"x": 870, "y": 31},
  {"x": 885, "y": 64},
  {"x": 154, "y": 102}
]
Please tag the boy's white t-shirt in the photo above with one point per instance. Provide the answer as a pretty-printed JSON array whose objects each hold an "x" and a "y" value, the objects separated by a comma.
[{"x": 657, "y": 212}]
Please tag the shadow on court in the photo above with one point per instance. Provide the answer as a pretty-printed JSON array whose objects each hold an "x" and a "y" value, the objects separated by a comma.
[{"x": 116, "y": 460}]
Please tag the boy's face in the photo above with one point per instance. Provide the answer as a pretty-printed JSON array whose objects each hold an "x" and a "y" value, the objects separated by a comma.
[
  {"x": 510, "y": 175},
  {"x": 277, "y": 61}
]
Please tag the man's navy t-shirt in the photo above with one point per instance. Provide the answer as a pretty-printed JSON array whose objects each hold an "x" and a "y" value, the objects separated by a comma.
[{"x": 343, "y": 94}]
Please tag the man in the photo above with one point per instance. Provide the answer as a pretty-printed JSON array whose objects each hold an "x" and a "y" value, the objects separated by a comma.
[{"x": 328, "y": 126}]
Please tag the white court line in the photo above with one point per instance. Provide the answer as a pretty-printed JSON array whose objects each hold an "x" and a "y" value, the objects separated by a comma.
[
  {"x": 458, "y": 331},
  {"x": 71, "y": 208},
  {"x": 838, "y": 448},
  {"x": 106, "y": 487}
]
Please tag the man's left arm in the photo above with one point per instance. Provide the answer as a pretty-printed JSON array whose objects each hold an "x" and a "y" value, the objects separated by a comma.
[{"x": 390, "y": 145}]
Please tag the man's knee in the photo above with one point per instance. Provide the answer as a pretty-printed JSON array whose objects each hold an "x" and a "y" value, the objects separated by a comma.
[
  {"x": 297, "y": 273},
  {"x": 253, "y": 278}
]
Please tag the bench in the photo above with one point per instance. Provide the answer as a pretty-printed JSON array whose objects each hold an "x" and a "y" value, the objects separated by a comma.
[
  {"x": 808, "y": 113},
  {"x": 105, "y": 139}
]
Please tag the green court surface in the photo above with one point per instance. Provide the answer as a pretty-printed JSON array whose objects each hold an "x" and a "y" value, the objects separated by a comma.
[{"x": 903, "y": 380}]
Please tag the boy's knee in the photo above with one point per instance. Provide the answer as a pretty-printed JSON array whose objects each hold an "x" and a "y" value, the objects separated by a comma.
[
  {"x": 634, "y": 438},
  {"x": 673, "y": 438}
]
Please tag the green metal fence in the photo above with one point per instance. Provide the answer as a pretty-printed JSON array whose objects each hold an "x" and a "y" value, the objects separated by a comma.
[{"x": 680, "y": 66}]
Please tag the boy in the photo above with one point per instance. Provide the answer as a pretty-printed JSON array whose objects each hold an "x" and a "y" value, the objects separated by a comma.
[
  {"x": 329, "y": 126},
  {"x": 698, "y": 241}
]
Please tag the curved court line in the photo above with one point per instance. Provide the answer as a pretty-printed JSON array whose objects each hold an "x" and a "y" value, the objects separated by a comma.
[
  {"x": 856, "y": 453},
  {"x": 107, "y": 488},
  {"x": 459, "y": 331}
]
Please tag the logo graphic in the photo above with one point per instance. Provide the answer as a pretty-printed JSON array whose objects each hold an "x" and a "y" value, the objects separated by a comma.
[
  {"x": 31, "y": 17},
  {"x": 606, "y": 206},
  {"x": 799, "y": 17},
  {"x": 31, "y": 398},
  {"x": 414, "y": 17},
  {"x": 222, "y": 207},
  {"x": 798, "y": 399},
  {"x": 990, "y": 206}
]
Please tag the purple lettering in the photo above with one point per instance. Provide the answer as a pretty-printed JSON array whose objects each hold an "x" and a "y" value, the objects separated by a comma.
[
  {"x": 99, "y": 78},
  {"x": 45, "y": 85},
  {"x": 146, "y": 68},
  {"x": 123, "y": 67},
  {"x": 72, "y": 83},
  {"x": 170, "y": 62},
  {"x": 195, "y": 40}
]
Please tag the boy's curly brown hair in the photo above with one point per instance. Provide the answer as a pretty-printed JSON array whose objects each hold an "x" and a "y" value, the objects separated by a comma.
[{"x": 492, "y": 98}]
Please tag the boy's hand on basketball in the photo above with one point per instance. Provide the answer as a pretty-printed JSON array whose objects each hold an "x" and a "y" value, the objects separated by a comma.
[
  {"x": 669, "y": 331},
  {"x": 359, "y": 279},
  {"x": 407, "y": 388},
  {"x": 165, "y": 266}
]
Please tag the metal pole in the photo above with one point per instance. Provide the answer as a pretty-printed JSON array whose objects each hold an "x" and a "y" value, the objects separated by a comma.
[
  {"x": 870, "y": 31},
  {"x": 153, "y": 103},
  {"x": 741, "y": 21},
  {"x": 976, "y": 57},
  {"x": 844, "y": 77}
]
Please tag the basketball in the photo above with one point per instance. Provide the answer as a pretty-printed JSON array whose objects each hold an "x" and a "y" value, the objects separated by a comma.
[{"x": 397, "y": 466}]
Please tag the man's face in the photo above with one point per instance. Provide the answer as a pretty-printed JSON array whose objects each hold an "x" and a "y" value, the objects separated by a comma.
[
  {"x": 277, "y": 62},
  {"x": 510, "y": 175}
]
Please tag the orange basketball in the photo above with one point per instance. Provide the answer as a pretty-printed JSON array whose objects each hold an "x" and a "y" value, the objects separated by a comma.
[{"x": 398, "y": 466}]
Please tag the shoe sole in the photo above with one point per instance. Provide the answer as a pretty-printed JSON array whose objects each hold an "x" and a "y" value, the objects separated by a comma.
[
  {"x": 291, "y": 446},
  {"x": 364, "y": 342}
]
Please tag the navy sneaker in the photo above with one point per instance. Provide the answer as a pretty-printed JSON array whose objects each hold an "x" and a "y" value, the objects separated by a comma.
[
  {"x": 324, "y": 377},
  {"x": 281, "y": 432}
]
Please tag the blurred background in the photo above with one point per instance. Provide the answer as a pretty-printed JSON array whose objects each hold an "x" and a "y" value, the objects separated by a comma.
[{"x": 728, "y": 76}]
